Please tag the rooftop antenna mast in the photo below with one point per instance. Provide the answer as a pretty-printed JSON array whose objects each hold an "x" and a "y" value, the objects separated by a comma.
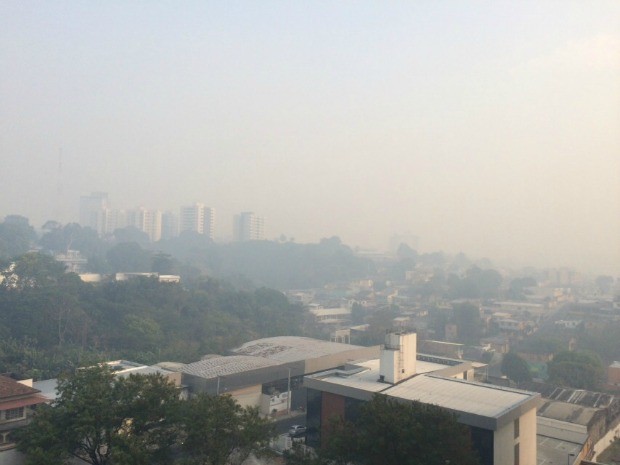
[{"x": 58, "y": 209}]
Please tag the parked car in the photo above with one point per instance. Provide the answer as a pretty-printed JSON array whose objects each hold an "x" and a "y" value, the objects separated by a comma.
[{"x": 296, "y": 430}]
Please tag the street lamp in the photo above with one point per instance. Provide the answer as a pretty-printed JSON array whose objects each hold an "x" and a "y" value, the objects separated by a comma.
[{"x": 288, "y": 394}]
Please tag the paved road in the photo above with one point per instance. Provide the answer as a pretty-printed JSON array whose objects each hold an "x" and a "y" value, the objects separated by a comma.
[{"x": 284, "y": 423}]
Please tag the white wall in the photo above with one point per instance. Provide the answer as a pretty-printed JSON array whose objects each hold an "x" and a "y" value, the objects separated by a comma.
[
  {"x": 504, "y": 441},
  {"x": 527, "y": 433}
]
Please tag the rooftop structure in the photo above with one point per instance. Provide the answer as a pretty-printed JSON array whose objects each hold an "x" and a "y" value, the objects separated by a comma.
[
  {"x": 288, "y": 349},
  {"x": 502, "y": 420},
  {"x": 268, "y": 373},
  {"x": 224, "y": 366}
]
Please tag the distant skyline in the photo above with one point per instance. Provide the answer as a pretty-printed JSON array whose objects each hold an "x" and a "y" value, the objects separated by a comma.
[{"x": 488, "y": 127}]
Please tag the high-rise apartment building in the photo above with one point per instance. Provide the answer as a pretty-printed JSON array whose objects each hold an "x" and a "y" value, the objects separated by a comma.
[
  {"x": 92, "y": 211},
  {"x": 148, "y": 221},
  {"x": 169, "y": 225},
  {"x": 114, "y": 219},
  {"x": 197, "y": 218},
  {"x": 248, "y": 227}
]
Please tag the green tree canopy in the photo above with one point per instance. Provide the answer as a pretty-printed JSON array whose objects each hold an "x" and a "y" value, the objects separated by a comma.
[
  {"x": 580, "y": 370},
  {"x": 218, "y": 431},
  {"x": 16, "y": 236},
  {"x": 101, "y": 419},
  {"x": 515, "y": 368},
  {"x": 389, "y": 432},
  {"x": 130, "y": 257},
  {"x": 467, "y": 318}
]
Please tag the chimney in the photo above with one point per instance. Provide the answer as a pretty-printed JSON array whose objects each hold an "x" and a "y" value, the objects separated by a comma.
[{"x": 398, "y": 357}]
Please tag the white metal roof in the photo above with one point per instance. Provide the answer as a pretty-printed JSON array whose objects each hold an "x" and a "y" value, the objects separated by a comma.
[
  {"x": 222, "y": 366},
  {"x": 367, "y": 379},
  {"x": 292, "y": 349},
  {"x": 458, "y": 395}
]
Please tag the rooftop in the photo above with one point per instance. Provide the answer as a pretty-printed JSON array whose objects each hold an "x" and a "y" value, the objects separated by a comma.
[
  {"x": 285, "y": 349},
  {"x": 477, "y": 404},
  {"x": 10, "y": 388},
  {"x": 573, "y": 396},
  {"x": 570, "y": 413},
  {"x": 459, "y": 395},
  {"x": 223, "y": 366}
]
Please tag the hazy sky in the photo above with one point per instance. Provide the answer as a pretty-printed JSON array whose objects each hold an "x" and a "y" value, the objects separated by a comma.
[{"x": 487, "y": 127}]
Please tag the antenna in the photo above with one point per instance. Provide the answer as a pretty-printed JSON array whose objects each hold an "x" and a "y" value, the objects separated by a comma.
[{"x": 58, "y": 207}]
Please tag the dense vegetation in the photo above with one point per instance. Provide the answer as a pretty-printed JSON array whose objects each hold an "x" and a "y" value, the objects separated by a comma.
[
  {"x": 581, "y": 370},
  {"x": 51, "y": 320},
  {"x": 101, "y": 419}
]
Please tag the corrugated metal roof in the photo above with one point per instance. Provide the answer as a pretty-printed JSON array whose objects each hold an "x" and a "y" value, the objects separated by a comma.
[
  {"x": 292, "y": 349},
  {"x": 459, "y": 395},
  {"x": 222, "y": 366},
  {"x": 570, "y": 413}
]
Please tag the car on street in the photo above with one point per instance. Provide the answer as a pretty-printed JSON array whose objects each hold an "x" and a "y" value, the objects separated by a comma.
[{"x": 296, "y": 430}]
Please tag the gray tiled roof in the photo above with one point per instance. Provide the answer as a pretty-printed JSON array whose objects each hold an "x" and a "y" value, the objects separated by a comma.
[
  {"x": 222, "y": 366},
  {"x": 292, "y": 348}
]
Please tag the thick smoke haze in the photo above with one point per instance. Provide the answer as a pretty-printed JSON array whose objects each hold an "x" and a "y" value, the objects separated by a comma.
[{"x": 486, "y": 127}]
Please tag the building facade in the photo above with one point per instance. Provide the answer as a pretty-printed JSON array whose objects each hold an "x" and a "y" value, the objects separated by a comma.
[
  {"x": 197, "y": 218},
  {"x": 501, "y": 421},
  {"x": 17, "y": 400},
  {"x": 248, "y": 227}
]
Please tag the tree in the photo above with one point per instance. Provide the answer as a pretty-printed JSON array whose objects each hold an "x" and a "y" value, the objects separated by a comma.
[
  {"x": 515, "y": 368},
  {"x": 391, "y": 432},
  {"x": 162, "y": 263},
  {"x": 580, "y": 370},
  {"x": 32, "y": 270},
  {"x": 16, "y": 236},
  {"x": 101, "y": 419},
  {"x": 219, "y": 431},
  {"x": 131, "y": 234},
  {"x": 467, "y": 318},
  {"x": 130, "y": 257}
]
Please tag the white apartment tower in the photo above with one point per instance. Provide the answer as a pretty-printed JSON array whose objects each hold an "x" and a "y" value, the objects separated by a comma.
[
  {"x": 197, "y": 218},
  {"x": 248, "y": 227},
  {"x": 148, "y": 221}
]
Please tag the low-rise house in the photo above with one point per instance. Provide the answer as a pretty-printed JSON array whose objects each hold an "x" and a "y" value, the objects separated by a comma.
[{"x": 17, "y": 401}]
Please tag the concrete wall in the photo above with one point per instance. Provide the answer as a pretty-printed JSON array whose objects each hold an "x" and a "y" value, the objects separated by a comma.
[
  {"x": 503, "y": 446},
  {"x": 12, "y": 457},
  {"x": 504, "y": 441},
  {"x": 561, "y": 430},
  {"x": 604, "y": 442},
  {"x": 389, "y": 366},
  {"x": 527, "y": 433},
  {"x": 247, "y": 397}
]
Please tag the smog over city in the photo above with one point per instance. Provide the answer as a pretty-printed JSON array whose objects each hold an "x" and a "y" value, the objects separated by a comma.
[
  {"x": 309, "y": 232},
  {"x": 489, "y": 128}
]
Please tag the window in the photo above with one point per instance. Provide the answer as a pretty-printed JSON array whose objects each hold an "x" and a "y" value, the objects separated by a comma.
[
  {"x": 516, "y": 454},
  {"x": 516, "y": 428},
  {"x": 14, "y": 413}
]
